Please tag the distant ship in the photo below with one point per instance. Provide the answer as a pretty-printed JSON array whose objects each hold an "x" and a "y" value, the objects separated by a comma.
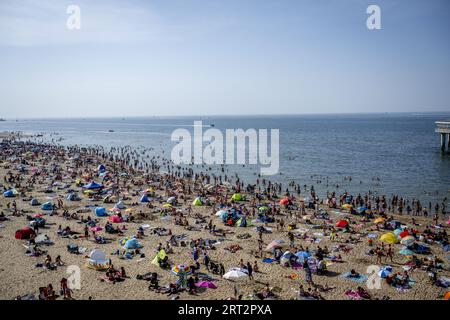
[
  {"x": 212, "y": 125},
  {"x": 1, "y": 119},
  {"x": 110, "y": 130}
]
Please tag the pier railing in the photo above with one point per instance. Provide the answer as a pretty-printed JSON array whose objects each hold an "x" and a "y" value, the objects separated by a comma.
[{"x": 442, "y": 126}]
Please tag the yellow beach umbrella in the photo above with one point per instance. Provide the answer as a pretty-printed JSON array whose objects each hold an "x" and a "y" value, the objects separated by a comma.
[
  {"x": 389, "y": 237},
  {"x": 347, "y": 206}
]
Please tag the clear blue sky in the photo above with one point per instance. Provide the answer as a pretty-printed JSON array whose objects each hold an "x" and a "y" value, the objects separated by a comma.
[{"x": 192, "y": 57}]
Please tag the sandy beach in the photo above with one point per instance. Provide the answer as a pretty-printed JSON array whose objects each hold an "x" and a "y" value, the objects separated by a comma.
[{"x": 47, "y": 173}]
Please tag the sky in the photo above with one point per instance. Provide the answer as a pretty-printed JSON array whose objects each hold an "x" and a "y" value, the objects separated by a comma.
[{"x": 227, "y": 57}]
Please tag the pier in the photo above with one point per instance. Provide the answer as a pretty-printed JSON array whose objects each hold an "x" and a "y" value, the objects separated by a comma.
[{"x": 443, "y": 127}]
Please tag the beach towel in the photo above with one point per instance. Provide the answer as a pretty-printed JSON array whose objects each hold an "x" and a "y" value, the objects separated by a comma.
[
  {"x": 360, "y": 279},
  {"x": 353, "y": 294}
]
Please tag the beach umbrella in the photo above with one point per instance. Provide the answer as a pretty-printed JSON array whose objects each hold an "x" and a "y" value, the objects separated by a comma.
[
  {"x": 236, "y": 197},
  {"x": 263, "y": 208},
  {"x": 363, "y": 209},
  {"x": 275, "y": 244},
  {"x": 347, "y": 206},
  {"x": 167, "y": 205},
  {"x": 181, "y": 269},
  {"x": 307, "y": 217},
  {"x": 408, "y": 240},
  {"x": 379, "y": 220},
  {"x": 406, "y": 252},
  {"x": 148, "y": 190},
  {"x": 206, "y": 284},
  {"x": 447, "y": 296},
  {"x": 384, "y": 272},
  {"x": 284, "y": 201},
  {"x": 234, "y": 274},
  {"x": 342, "y": 224},
  {"x": 303, "y": 254},
  {"x": 389, "y": 237}
]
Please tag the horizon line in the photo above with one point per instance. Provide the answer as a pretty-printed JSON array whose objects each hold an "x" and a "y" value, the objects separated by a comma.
[{"x": 226, "y": 115}]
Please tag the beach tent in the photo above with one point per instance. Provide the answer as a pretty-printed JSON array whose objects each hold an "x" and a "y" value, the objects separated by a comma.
[
  {"x": 34, "y": 202},
  {"x": 159, "y": 256},
  {"x": 24, "y": 234},
  {"x": 101, "y": 168},
  {"x": 206, "y": 284},
  {"x": 115, "y": 219},
  {"x": 389, "y": 237},
  {"x": 242, "y": 222},
  {"x": 197, "y": 202},
  {"x": 93, "y": 186},
  {"x": 97, "y": 260},
  {"x": 236, "y": 197},
  {"x": 447, "y": 296},
  {"x": 408, "y": 240},
  {"x": 220, "y": 213},
  {"x": 47, "y": 206},
  {"x": 275, "y": 244},
  {"x": 172, "y": 200},
  {"x": 132, "y": 243},
  {"x": 144, "y": 198},
  {"x": 100, "y": 212},
  {"x": 9, "y": 193},
  {"x": 72, "y": 197},
  {"x": 404, "y": 234},
  {"x": 234, "y": 274},
  {"x": 406, "y": 252},
  {"x": 342, "y": 224},
  {"x": 284, "y": 201},
  {"x": 119, "y": 205}
]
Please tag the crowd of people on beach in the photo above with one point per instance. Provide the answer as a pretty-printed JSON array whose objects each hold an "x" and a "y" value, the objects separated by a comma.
[{"x": 345, "y": 219}]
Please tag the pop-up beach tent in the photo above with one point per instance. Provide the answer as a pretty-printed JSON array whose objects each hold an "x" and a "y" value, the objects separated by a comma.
[
  {"x": 47, "y": 206},
  {"x": 100, "y": 212},
  {"x": 197, "y": 202},
  {"x": 236, "y": 197},
  {"x": 144, "y": 198},
  {"x": 97, "y": 260},
  {"x": 93, "y": 186}
]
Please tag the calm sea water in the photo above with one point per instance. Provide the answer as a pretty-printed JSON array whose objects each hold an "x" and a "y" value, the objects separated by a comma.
[{"x": 384, "y": 153}]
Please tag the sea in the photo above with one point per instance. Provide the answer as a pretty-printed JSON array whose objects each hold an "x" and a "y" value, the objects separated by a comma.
[{"x": 393, "y": 153}]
